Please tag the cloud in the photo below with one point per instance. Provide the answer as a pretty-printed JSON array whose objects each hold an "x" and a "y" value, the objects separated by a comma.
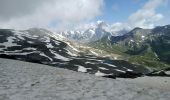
[
  {"x": 119, "y": 26},
  {"x": 70, "y": 14},
  {"x": 17, "y": 8},
  {"x": 56, "y": 14},
  {"x": 146, "y": 17}
]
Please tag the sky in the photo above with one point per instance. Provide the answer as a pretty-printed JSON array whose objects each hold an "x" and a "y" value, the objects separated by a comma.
[{"x": 59, "y": 15}]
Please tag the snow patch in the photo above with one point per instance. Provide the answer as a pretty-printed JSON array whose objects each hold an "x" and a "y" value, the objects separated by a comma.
[
  {"x": 103, "y": 68},
  {"x": 49, "y": 45},
  {"x": 47, "y": 39},
  {"x": 30, "y": 42},
  {"x": 72, "y": 47},
  {"x": 120, "y": 70},
  {"x": 89, "y": 62},
  {"x": 57, "y": 56},
  {"x": 93, "y": 52},
  {"x": 110, "y": 65},
  {"x": 9, "y": 42},
  {"x": 142, "y": 36},
  {"x": 81, "y": 69},
  {"x": 18, "y": 53},
  {"x": 19, "y": 34},
  {"x": 131, "y": 40},
  {"x": 98, "y": 73},
  {"x": 92, "y": 31},
  {"x": 70, "y": 53},
  {"x": 29, "y": 48},
  {"x": 115, "y": 58},
  {"x": 167, "y": 72},
  {"x": 42, "y": 54},
  {"x": 129, "y": 70}
]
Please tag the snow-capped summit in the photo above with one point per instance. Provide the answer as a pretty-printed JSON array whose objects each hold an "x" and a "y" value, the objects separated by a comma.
[{"x": 92, "y": 33}]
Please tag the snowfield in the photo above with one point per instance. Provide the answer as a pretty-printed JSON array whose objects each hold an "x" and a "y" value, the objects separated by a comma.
[{"x": 29, "y": 81}]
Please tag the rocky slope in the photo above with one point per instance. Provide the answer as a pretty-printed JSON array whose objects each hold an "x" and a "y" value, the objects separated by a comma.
[{"x": 30, "y": 81}]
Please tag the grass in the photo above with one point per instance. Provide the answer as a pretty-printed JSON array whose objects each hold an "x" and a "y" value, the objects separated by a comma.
[{"x": 147, "y": 58}]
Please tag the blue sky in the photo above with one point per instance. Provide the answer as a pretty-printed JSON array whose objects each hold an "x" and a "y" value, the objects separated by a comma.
[{"x": 119, "y": 10}]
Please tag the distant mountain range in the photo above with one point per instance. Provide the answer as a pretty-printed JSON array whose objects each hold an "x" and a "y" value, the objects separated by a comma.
[
  {"x": 148, "y": 47},
  {"x": 93, "y": 33}
]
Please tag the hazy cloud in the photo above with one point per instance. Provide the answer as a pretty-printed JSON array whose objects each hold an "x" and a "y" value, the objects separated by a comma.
[
  {"x": 17, "y": 8},
  {"x": 20, "y": 14},
  {"x": 70, "y": 14}
]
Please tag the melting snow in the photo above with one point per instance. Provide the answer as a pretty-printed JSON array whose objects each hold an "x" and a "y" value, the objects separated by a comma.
[
  {"x": 19, "y": 34},
  {"x": 29, "y": 48},
  {"x": 142, "y": 36},
  {"x": 72, "y": 47},
  {"x": 57, "y": 56},
  {"x": 129, "y": 70},
  {"x": 110, "y": 65},
  {"x": 92, "y": 31},
  {"x": 81, "y": 69},
  {"x": 115, "y": 58},
  {"x": 89, "y": 62},
  {"x": 49, "y": 45},
  {"x": 47, "y": 39},
  {"x": 95, "y": 60},
  {"x": 42, "y": 54},
  {"x": 103, "y": 68},
  {"x": 120, "y": 70},
  {"x": 10, "y": 43},
  {"x": 18, "y": 53},
  {"x": 30, "y": 42},
  {"x": 98, "y": 73},
  {"x": 93, "y": 52},
  {"x": 132, "y": 40},
  {"x": 70, "y": 53}
]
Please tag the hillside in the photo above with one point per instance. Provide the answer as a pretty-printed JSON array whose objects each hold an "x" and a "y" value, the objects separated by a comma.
[
  {"x": 147, "y": 47},
  {"x": 44, "y": 47}
]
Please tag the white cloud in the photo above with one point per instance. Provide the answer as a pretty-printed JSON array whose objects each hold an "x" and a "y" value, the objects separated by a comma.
[
  {"x": 49, "y": 13},
  {"x": 85, "y": 26},
  {"x": 119, "y": 26},
  {"x": 146, "y": 17}
]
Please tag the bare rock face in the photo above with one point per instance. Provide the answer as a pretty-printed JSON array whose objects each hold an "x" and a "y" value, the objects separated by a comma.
[{"x": 30, "y": 81}]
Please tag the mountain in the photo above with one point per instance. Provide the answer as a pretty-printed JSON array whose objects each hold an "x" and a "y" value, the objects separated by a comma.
[
  {"x": 148, "y": 47},
  {"x": 44, "y": 47},
  {"x": 93, "y": 33}
]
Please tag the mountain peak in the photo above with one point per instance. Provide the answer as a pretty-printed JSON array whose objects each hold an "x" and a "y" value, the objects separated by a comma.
[
  {"x": 100, "y": 22},
  {"x": 137, "y": 28},
  {"x": 92, "y": 33}
]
